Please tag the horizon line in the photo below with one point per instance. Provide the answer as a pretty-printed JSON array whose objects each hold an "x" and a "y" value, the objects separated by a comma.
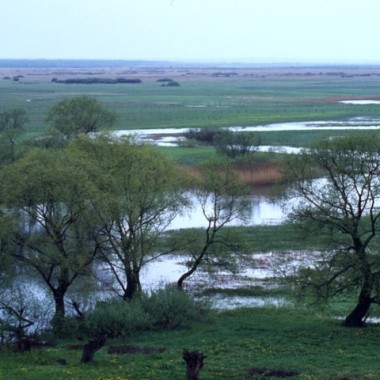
[{"x": 221, "y": 61}]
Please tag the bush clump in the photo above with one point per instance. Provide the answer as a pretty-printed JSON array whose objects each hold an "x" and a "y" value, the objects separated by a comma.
[
  {"x": 235, "y": 145},
  {"x": 117, "y": 318},
  {"x": 206, "y": 136},
  {"x": 170, "y": 308},
  {"x": 164, "y": 309}
]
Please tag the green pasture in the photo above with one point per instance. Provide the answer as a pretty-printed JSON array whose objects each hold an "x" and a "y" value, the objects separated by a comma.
[
  {"x": 204, "y": 102},
  {"x": 309, "y": 345}
]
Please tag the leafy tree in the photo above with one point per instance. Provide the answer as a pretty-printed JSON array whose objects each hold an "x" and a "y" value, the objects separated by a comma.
[
  {"x": 234, "y": 144},
  {"x": 222, "y": 197},
  {"x": 48, "y": 220},
  {"x": 343, "y": 209},
  {"x": 80, "y": 115},
  {"x": 12, "y": 124},
  {"x": 140, "y": 197}
]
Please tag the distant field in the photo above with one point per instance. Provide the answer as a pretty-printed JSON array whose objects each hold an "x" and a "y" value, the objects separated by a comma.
[{"x": 206, "y": 97}]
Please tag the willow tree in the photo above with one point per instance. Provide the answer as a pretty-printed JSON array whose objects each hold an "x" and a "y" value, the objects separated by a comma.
[
  {"x": 141, "y": 195},
  {"x": 80, "y": 115},
  {"x": 12, "y": 125},
  {"x": 48, "y": 219},
  {"x": 343, "y": 209}
]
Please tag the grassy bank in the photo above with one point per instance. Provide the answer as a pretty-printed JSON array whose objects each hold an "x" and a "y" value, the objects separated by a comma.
[{"x": 314, "y": 347}]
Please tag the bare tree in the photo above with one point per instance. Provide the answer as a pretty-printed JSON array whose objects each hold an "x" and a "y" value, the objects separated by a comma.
[{"x": 223, "y": 200}]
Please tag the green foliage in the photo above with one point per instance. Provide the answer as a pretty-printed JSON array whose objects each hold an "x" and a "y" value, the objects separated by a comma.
[
  {"x": 46, "y": 197},
  {"x": 117, "y": 318},
  {"x": 13, "y": 121},
  {"x": 170, "y": 308},
  {"x": 236, "y": 145},
  {"x": 140, "y": 194},
  {"x": 12, "y": 126},
  {"x": 166, "y": 308},
  {"x": 80, "y": 115},
  {"x": 343, "y": 210},
  {"x": 206, "y": 136}
]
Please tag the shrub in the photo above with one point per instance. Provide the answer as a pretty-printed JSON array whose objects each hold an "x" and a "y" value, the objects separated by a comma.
[
  {"x": 235, "y": 144},
  {"x": 171, "y": 84},
  {"x": 117, "y": 318},
  {"x": 203, "y": 135},
  {"x": 165, "y": 308},
  {"x": 170, "y": 308},
  {"x": 164, "y": 80}
]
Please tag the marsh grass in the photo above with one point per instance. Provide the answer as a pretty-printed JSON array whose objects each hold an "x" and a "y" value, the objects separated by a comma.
[
  {"x": 205, "y": 101},
  {"x": 260, "y": 175}
]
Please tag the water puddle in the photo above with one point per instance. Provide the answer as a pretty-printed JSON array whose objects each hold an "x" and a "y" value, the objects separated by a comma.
[
  {"x": 263, "y": 269},
  {"x": 223, "y": 303},
  {"x": 360, "y": 102}
]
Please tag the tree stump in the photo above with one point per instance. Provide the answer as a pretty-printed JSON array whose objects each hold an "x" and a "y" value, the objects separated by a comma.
[
  {"x": 91, "y": 347},
  {"x": 23, "y": 344},
  {"x": 194, "y": 363}
]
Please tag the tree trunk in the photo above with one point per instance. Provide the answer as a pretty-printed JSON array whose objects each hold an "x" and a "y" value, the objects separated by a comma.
[
  {"x": 356, "y": 317},
  {"x": 193, "y": 268},
  {"x": 194, "y": 363},
  {"x": 133, "y": 285},
  {"x": 59, "y": 315},
  {"x": 185, "y": 276},
  {"x": 23, "y": 344},
  {"x": 91, "y": 347}
]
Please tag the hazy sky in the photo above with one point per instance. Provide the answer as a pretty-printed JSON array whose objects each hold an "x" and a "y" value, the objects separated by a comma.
[{"x": 207, "y": 30}]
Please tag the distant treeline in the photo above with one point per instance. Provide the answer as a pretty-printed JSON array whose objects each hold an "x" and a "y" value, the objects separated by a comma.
[
  {"x": 96, "y": 80},
  {"x": 79, "y": 63}
]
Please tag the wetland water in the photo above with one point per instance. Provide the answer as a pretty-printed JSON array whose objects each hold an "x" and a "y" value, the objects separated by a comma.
[
  {"x": 173, "y": 136},
  {"x": 264, "y": 267},
  {"x": 264, "y": 211}
]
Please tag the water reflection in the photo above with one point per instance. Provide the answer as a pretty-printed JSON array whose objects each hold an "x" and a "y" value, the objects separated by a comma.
[{"x": 264, "y": 211}]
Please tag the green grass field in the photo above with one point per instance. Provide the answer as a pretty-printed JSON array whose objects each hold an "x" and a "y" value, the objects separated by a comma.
[
  {"x": 287, "y": 339},
  {"x": 204, "y": 100}
]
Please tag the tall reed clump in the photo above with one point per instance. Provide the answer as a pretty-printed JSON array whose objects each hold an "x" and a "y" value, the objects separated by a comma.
[{"x": 260, "y": 174}]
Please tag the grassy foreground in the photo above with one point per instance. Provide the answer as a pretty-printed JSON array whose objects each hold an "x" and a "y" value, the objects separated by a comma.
[{"x": 316, "y": 347}]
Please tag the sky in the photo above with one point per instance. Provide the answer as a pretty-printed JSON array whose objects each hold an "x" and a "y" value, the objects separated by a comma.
[{"x": 256, "y": 31}]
